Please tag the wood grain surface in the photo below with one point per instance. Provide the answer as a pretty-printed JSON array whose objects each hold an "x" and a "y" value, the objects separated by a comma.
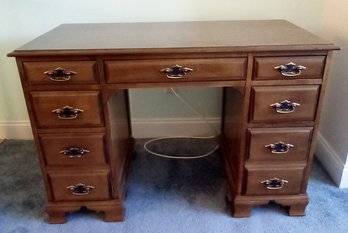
[{"x": 256, "y": 35}]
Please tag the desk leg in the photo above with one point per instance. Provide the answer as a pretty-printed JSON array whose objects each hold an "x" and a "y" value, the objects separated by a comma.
[
  {"x": 56, "y": 217},
  {"x": 296, "y": 204},
  {"x": 240, "y": 210},
  {"x": 112, "y": 209}
]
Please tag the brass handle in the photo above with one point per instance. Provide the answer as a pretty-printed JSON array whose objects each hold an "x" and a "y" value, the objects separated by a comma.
[
  {"x": 176, "y": 71},
  {"x": 67, "y": 112},
  {"x": 285, "y": 106},
  {"x": 74, "y": 152},
  {"x": 290, "y": 69},
  {"x": 279, "y": 147},
  {"x": 80, "y": 189},
  {"x": 59, "y": 74},
  {"x": 274, "y": 183}
]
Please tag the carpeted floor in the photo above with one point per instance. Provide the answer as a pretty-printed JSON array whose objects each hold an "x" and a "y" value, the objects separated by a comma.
[{"x": 163, "y": 196}]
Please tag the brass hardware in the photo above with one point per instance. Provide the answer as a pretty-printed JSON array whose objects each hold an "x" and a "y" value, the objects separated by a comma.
[
  {"x": 67, "y": 112},
  {"x": 279, "y": 147},
  {"x": 290, "y": 69},
  {"x": 80, "y": 189},
  {"x": 59, "y": 74},
  {"x": 274, "y": 183},
  {"x": 74, "y": 152},
  {"x": 176, "y": 71},
  {"x": 285, "y": 106}
]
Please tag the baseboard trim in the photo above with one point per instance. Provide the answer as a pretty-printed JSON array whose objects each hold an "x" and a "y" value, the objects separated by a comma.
[
  {"x": 16, "y": 130},
  {"x": 142, "y": 128},
  {"x": 334, "y": 165},
  {"x": 153, "y": 128}
]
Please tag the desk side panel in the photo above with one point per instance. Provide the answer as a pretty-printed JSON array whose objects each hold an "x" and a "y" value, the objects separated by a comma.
[
  {"x": 231, "y": 136},
  {"x": 120, "y": 138}
]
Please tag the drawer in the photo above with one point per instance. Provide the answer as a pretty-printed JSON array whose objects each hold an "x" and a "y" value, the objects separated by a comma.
[
  {"x": 67, "y": 108},
  {"x": 258, "y": 178},
  {"x": 140, "y": 71},
  {"x": 73, "y": 149},
  {"x": 71, "y": 72},
  {"x": 264, "y": 67},
  {"x": 80, "y": 187},
  {"x": 269, "y": 103},
  {"x": 279, "y": 144}
]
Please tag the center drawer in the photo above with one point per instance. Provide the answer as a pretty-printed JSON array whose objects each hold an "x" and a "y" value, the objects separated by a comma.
[
  {"x": 67, "y": 108},
  {"x": 143, "y": 71}
]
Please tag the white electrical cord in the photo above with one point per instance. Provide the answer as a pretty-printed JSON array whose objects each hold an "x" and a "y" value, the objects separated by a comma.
[
  {"x": 179, "y": 157},
  {"x": 194, "y": 110},
  {"x": 174, "y": 137}
]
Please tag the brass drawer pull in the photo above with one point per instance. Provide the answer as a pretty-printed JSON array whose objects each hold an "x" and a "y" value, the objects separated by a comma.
[
  {"x": 279, "y": 147},
  {"x": 80, "y": 189},
  {"x": 290, "y": 69},
  {"x": 176, "y": 71},
  {"x": 274, "y": 183},
  {"x": 285, "y": 106},
  {"x": 67, "y": 112},
  {"x": 74, "y": 152},
  {"x": 59, "y": 74}
]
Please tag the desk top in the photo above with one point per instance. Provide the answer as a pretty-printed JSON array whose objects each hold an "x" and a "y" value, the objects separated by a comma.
[{"x": 213, "y": 36}]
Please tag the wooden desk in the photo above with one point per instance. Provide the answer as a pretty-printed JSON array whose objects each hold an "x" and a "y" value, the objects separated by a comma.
[{"x": 76, "y": 79}]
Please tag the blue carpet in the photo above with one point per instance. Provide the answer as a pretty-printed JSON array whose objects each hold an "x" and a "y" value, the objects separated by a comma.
[{"x": 163, "y": 196}]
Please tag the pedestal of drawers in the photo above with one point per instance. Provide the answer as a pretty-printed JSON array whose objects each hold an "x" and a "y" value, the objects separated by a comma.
[
  {"x": 276, "y": 147},
  {"x": 83, "y": 153}
]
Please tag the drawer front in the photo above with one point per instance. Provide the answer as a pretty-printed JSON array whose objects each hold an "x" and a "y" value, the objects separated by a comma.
[
  {"x": 279, "y": 144},
  {"x": 73, "y": 149},
  {"x": 264, "y": 67},
  {"x": 50, "y": 111},
  {"x": 72, "y": 72},
  {"x": 265, "y": 96},
  {"x": 65, "y": 186},
  {"x": 143, "y": 71},
  {"x": 257, "y": 178}
]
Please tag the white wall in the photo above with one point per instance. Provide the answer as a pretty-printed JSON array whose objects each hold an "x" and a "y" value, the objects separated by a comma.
[{"x": 333, "y": 139}]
